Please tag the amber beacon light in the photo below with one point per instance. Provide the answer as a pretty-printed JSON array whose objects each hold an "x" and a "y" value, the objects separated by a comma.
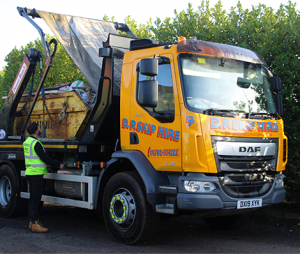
[{"x": 181, "y": 38}]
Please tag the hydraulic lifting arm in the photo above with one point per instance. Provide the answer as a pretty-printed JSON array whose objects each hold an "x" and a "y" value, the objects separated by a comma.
[
  {"x": 9, "y": 108},
  {"x": 27, "y": 68},
  {"x": 24, "y": 13}
]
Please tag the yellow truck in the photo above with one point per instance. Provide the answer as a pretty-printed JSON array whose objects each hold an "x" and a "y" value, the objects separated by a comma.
[{"x": 190, "y": 128}]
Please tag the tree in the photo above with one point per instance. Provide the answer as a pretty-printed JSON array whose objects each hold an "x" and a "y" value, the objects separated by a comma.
[
  {"x": 64, "y": 69},
  {"x": 141, "y": 30},
  {"x": 1, "y": 76}
]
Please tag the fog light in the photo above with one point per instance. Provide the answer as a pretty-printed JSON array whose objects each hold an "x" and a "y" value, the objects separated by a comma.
[
  {"x": 279, "y": 183},
  {"x": 197, "y": 186}
]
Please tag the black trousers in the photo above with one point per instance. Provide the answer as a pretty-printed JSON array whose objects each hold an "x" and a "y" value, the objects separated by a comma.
[{"x": 36, "y": 186}]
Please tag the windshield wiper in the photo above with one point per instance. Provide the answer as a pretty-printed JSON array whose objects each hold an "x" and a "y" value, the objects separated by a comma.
[
  {"x": 223, "y": 112},
  {"x": 262, "y": 115}
]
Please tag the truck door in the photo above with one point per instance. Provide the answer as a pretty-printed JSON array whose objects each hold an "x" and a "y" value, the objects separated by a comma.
[{"x": 157, "y": 132}]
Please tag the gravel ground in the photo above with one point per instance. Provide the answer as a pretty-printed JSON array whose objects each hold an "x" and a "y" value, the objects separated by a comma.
[{"x": 74, "y": 230}]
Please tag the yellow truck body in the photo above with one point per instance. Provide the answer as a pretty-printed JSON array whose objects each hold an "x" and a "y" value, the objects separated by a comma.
[{"x": 67, "y": 105}]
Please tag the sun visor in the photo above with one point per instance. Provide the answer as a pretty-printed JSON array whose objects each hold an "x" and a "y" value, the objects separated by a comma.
[
  {"x": 82, "y": 38},
  {"x": 219, "y": 50}
]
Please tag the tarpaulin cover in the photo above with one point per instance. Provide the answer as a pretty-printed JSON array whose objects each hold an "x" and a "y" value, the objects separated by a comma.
[{"x": 82, "y": 38}]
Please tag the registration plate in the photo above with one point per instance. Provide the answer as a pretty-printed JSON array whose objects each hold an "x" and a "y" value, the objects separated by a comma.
[{"x": 249, "y": 203}]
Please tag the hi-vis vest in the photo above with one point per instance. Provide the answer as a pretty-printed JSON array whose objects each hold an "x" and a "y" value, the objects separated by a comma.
[{"x": 34, "y": 165}]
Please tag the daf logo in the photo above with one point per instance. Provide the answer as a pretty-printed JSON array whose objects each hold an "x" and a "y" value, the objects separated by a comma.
[{"x": 250, "y": 149}]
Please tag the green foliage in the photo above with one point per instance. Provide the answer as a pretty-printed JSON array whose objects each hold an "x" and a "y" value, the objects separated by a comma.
[
  {"x": 1, "y": 76},
  {"x": 106, "y": 18},
  {"x": 141, "y": 30},
  {"x": 64, "y": 69}
]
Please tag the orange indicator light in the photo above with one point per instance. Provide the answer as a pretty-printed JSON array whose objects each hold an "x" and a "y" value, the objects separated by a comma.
[{"x": 181, "y": 38}]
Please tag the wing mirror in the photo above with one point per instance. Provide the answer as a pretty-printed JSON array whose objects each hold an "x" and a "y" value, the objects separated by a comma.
[
  {"x": 276, "y": 83},
  {"x": 148, "y": 66}
]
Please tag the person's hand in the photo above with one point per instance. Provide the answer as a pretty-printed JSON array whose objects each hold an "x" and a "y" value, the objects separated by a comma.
[
  {"x": 61, "y": 166},
  {"x": 49, "y": 168}
]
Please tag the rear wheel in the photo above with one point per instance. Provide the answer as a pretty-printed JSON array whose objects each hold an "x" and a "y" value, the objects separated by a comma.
[
  {"x": 127, "y": 215},
  {"x": 10, "y": 202},
  {"x": 228, "y": 222}
]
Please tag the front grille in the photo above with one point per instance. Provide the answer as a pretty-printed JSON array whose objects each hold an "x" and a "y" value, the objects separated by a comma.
[
  {"x": 245, "y": 189},
  {"x": 252, "y": 166},
  {"x": 246, "y": 185},
  {"x": 248, "y": 175},
  {"x": 246, "y": 165},
  {"x": 237, "y": 178}
]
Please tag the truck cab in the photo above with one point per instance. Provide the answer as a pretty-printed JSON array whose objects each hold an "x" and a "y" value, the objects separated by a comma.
[{"x": 209, "y": 123}]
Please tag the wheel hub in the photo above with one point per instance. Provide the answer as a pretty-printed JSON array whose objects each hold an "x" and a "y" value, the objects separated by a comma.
[
  {"x": 122, "y": 207},
  {"x": 5, "y": 190}
]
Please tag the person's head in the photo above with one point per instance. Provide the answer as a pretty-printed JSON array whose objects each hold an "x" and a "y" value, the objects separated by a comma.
[{"x": 33, "y": 128}]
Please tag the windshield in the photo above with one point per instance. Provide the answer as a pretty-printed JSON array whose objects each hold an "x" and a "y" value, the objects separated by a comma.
[{"x": 218, "y": 83}]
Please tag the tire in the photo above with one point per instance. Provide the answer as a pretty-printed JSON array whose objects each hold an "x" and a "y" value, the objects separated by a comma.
[
  {"x": 10, "y": 202},
  {"x": 128, "y": 216},
  {"x": 227, "y": 222}
]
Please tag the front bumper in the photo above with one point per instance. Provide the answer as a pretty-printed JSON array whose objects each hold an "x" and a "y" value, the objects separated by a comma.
[{"x": 218, "y": 199}]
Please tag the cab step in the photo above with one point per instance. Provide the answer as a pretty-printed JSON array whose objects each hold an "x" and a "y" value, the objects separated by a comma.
[
  {"x": 170, "y": 191},
  {"x": 165, "y": 208}
]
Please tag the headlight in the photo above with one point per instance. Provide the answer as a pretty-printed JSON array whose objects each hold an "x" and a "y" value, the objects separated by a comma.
[{"x": 197, "y": 186}]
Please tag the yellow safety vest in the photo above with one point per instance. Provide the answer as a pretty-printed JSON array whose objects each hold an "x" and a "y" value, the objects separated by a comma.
[{"x": 34, "y": 165}]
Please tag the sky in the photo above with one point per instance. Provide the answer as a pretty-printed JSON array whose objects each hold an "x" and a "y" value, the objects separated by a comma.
[{"x": 16, "y": 31}]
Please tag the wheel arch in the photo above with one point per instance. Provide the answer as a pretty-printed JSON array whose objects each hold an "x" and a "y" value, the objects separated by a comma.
[{"x": 151, "y": 178}]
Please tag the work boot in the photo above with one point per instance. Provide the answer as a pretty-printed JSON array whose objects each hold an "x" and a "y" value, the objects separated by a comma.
[
  {"x": 38, "y": 228},
  {"x": 30, "y": 224}
]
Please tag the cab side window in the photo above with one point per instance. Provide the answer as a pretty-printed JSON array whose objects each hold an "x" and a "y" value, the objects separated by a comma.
[{"x": 165, "y": 106}]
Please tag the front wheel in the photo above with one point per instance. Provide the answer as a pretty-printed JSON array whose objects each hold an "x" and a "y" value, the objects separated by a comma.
[
  {"x": 10, "y": 202},
  {"x": 127, "y": 215}
]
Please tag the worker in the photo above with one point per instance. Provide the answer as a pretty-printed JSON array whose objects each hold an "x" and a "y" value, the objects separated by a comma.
[{"x": 36, "y": 161}]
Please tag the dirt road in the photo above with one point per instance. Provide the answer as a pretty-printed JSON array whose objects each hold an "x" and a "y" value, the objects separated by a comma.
[{"x": 75, "y": 230}]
